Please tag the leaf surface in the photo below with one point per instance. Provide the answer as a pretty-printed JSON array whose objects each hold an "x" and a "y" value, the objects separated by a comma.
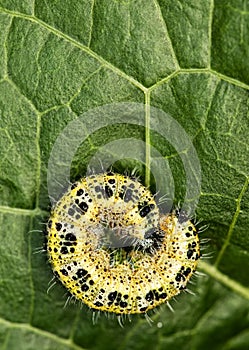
[{"x": 187, "y": 58}]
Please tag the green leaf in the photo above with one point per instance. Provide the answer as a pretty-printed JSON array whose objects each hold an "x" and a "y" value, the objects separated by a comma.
[{"x": 59, "y": 59}]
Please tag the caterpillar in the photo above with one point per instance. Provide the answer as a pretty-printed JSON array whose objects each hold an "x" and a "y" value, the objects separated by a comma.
[{"x": 113, "y": 250}]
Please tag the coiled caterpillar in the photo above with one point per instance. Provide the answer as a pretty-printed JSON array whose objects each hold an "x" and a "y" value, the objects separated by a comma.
[{"x": 112, "y": 249}]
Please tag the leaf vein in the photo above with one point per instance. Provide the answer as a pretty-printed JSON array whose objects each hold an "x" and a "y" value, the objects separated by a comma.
[
  {"x": 91, "y": 25},
  {"x": 30, "y": 328},
  {"x": 210, "y": 23},
  {"x": 213, "y": 272},
  {"x": 167, "y": 33},
  {"x": 233, "y": 223},
  {"x": 76, "y": 44}
]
